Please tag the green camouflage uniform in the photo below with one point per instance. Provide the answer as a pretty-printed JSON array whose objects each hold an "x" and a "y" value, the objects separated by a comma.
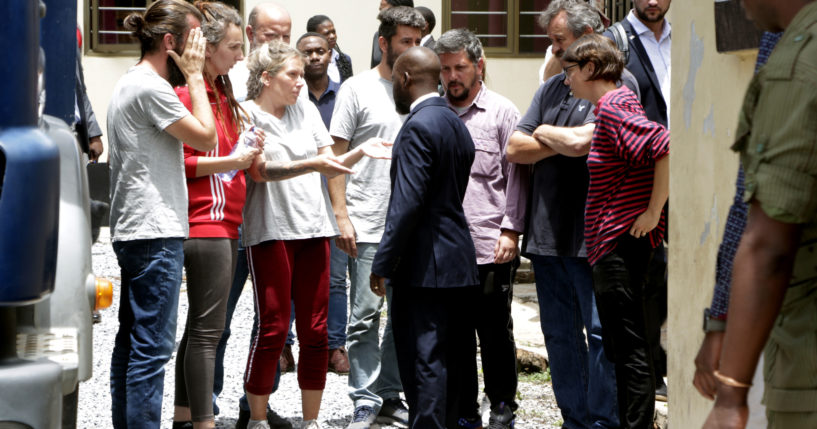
[{"x": 777, "y": 141}]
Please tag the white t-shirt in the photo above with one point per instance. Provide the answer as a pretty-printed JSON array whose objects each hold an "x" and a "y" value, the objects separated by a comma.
[
  {"x": 364, "y": 108},
  {"x": 148, "y": 189},
  {"x": 238, "y": 79},
  {"x": 296, "y": 208}
]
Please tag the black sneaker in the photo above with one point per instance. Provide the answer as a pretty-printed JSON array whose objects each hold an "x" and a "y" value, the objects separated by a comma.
[
  {"x": 182, "y": 425},
  {"x": 393, "y": 412},
  {"x": 661, "y": 393},
  {"x": 501, "y": 418},
  {"x": 275, "y": 421}
]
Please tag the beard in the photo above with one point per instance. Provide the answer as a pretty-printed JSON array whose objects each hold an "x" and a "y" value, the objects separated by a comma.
[
  {"x": 463, "y": 96},
  {"x": 642, "y": 15},
  {"x": 402, "y": 107},
  {"x": 464, "y": 93},
  {"x": 174, "y": 73},
  {"x": 391, "y": 56},
  {"x": 402, "y": 99}
]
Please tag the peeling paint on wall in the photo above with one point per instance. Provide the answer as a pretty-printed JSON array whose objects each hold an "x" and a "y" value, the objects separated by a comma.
[
  {"x": 713, "y": 219},
  {"x": 709, "y": 122},
  {"x": 696, "y": 56}
]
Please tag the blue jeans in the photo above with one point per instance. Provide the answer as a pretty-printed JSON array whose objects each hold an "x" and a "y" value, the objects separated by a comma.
[
  {"x": 583, "y": 379},
  {"x": 151, "y": 277},
  {"x": 242, "y": 271},
  {"x": 373, "y": 374},
  {"x": 336, "y": 319}
]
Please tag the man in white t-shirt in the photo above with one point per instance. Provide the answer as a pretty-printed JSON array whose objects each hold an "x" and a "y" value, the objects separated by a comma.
[
  {"x": 364, "y": 109},
  {"x": 146, "y": 125}
]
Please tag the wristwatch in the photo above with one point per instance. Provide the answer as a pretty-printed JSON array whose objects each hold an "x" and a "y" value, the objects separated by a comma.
[{"x": 711, "y": 324}]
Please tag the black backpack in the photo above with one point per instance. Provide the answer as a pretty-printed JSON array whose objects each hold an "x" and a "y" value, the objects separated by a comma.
[{"x": 621, "y": 39}]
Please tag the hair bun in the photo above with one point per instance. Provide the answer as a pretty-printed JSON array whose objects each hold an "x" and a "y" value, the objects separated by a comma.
[{"x": 135, "y": 22}]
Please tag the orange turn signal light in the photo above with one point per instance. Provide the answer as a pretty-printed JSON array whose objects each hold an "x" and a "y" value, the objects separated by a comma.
[{"x": 104, "y": 294}]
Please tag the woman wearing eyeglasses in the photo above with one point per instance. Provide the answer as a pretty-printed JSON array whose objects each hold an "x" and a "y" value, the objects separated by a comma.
[{"x": 624, "y": 218}]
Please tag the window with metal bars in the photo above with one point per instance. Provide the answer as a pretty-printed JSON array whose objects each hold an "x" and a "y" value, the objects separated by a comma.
[
  {"x": 510, "y": 27},
  {"x": 104, "y": 29},
  {"x": 617, "y": 10},
  {"x": 505, "y": 27}
]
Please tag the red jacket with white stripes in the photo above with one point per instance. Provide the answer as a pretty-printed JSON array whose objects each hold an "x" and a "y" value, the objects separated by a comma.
[{"x": 214, "y": 206}]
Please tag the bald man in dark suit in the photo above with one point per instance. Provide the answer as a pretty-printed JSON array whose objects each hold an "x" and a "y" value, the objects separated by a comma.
[{"x": 426, "y": 251}]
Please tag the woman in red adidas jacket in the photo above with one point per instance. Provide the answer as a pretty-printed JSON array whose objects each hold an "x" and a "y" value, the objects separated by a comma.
[{"x": 214, "y": 213}]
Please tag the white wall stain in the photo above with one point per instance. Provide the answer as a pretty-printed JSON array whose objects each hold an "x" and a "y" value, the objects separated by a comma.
[
  {"x": 696, "y": 55},
  {"x": 709, "y": 122}
]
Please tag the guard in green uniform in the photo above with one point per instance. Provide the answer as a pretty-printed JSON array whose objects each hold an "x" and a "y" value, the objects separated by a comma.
[{"x": 774, "y": 292}]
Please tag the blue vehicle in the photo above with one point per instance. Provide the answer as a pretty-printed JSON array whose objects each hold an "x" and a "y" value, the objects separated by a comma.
[{"x": 48, "y": 292}]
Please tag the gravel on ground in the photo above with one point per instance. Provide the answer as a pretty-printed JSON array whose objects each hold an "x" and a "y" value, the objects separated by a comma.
[{"x": 537, "y": 406}]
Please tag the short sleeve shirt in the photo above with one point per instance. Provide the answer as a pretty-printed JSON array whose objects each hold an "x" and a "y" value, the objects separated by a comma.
[
  {"x": 296, "y": 208},
  {"x": 776, "y": 136},
  {"x": 558, "y": 189},
  {"x": 364, "y": 109},
  {"x": 148, "y": 189}
]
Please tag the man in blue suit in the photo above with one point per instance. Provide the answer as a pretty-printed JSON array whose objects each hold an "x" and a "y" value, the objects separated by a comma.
[{"x": 426, "y": 251}]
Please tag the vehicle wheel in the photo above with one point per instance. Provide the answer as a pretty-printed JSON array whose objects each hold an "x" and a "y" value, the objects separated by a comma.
[{"x": 69, "y": 409}]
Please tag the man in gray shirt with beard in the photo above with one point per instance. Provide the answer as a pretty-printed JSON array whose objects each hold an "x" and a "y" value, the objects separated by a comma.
[{"x": 146, "y": 124}]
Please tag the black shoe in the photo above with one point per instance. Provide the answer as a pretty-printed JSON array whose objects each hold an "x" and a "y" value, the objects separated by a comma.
[
  {"x": 501, "y": 418},
  {"x": 393, "y": 412},
  {"x": 277, "y": 422},
  {"x": 661, "y": 393},
  {"x": 243, "y": 419},
  {"x": 184, "y": 425}
]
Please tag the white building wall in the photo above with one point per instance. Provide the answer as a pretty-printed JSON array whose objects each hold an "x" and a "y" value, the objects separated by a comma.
[
  {"x": 355, "y": 21},
  {"x": 707, "y": 92}
]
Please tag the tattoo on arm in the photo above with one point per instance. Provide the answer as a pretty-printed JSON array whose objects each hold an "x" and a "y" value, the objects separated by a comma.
[{"x": 279, "y": 170}]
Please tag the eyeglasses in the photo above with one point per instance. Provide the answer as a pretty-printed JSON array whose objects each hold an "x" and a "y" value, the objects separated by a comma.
[{"x": 565, "y": 69}]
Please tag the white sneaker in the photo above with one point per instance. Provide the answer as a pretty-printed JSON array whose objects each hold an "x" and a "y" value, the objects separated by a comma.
[
  {"x": 261, "y": 424},
  {"x": 310, "y": 424}
]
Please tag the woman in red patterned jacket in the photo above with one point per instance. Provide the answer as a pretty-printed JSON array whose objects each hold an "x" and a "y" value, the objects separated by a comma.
[
  {"x": 215, "y": 205},
  {"x": 624, "y": 216}
]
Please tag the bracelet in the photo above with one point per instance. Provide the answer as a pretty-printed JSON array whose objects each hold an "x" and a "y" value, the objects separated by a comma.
[{"x": 729, "y": 381}]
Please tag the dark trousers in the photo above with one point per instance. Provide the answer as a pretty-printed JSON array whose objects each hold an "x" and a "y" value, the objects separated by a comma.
[
  {"x": 491, "y": 317},
  {"x": 620, "y": 284},
  {"x": 656, "y": 297},
  {"x": 426, "y": 324},
  {"x": 209, "y": 263}
]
